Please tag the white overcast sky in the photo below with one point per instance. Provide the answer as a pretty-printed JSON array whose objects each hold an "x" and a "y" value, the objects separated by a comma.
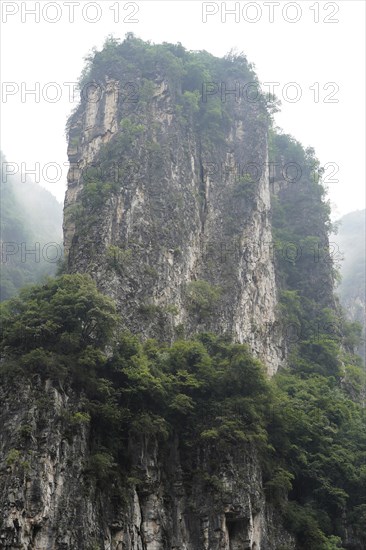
[{"x": 320, "y": 46}]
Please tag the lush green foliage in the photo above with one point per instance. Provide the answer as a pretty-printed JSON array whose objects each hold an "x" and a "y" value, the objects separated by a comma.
[
  {"x": 63, "y": 324},
  {"x": 319, "y": 436},
  {"x": 301, "y": 219},
  {"x": 309, "y": 433},
  {"x": 318, "y": 427}
]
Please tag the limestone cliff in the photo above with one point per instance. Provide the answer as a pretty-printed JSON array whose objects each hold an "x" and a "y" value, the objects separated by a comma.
[
  {"x": 189, "y": 203},
  {"x": 49, "y": 501},
  {"x": 169, "y": 209}
]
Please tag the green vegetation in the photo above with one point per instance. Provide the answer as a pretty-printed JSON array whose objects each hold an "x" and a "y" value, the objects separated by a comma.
[
  {"x": 13, "y": 457},
  {"x": 301, "y": 220},
  {"x": 246, "y": 188},
  {"x": 194, "y": 79},
  {"x": 307, "y": 423},
  {"x": 318, "y": 416},
  {"x": 118, "y": 258},
  {"x": 61, "y": 324},
  {"x": 202, "y": 298},
  {"x": 108, "y": 173}
]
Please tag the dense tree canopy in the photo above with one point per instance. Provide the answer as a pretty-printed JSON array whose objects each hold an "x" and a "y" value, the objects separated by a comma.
[{"x": 309, "y": 433}]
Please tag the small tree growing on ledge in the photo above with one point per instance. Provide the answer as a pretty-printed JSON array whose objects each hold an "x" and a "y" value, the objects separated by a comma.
[{"x": 202, "y": 298}]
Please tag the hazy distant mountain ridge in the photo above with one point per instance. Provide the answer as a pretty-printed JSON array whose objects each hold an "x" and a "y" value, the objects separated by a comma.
[
  {"x": 31, "y": 219},
  {"x": 351, "y": 244}
]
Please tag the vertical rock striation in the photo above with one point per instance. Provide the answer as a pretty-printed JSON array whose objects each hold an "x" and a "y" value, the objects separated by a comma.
[
  {"x": 189, "y": 203},
  {"x": 49, "y": 500}
]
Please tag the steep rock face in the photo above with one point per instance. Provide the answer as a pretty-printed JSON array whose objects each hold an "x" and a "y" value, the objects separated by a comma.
[
  {"x": 49, "y": 501},
  {"x": 41, "y": 505},
  {"x": 186, "y": 206}
]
